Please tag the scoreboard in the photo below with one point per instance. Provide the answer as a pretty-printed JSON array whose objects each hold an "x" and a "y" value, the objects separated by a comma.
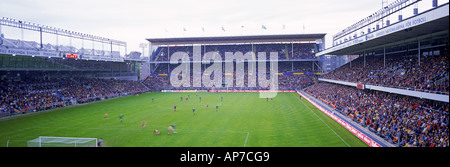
[{"x": 71, "y": 55}]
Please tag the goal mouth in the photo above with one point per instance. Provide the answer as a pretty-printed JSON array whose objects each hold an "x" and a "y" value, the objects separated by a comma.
[{"x": 46, "y": 141}]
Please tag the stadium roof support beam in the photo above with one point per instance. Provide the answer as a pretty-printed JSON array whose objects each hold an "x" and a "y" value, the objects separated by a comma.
[
  {"x": 418, "y": 50},
  {"x": 384, "y": 12},
  {"x": 113, "y": 51},
  {"x": 384, "y": 57}
]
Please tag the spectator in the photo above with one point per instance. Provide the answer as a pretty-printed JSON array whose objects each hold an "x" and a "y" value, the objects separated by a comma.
[
  {"x": 31, "y": 94},
  {"x": 406, "y": 121},
  {"x": 401, "y": 71}
]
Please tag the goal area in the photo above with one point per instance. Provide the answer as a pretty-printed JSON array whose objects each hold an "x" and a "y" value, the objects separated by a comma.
[{"x": 45, "y": 141}]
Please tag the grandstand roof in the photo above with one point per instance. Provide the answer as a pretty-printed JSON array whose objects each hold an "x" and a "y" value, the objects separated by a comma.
[
  {"x": 237, "y": 39},
  {"x": 431, "y": 28}
]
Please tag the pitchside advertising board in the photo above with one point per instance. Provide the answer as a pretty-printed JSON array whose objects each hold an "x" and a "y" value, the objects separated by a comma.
[
  {"x": 360, "y": 86},
  {"x": 213, "y": 90},
  {"x": 29, "y": 52}
]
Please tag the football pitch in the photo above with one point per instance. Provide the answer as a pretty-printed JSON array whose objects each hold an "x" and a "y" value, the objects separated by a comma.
[{"x": 241, "y": 120}]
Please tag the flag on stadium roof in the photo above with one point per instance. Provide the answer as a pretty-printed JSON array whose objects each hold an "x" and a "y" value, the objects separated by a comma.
[{"x": 264, "y": 27}]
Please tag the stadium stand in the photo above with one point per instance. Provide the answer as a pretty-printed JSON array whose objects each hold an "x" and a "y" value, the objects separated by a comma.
[
  {"x": 401, "y": 71},
  {"x": 401, "y": 120},
  {"x": 285, "y": 51},
  {"x": 286, "y": 82},
  {"x": 37, "y": 91},
  {"x": 403, "y": 65},
  {"x": 297, "y": 65}
]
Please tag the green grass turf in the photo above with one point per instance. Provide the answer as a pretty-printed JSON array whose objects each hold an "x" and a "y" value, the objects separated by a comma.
[{"x": 243, "y": 119}]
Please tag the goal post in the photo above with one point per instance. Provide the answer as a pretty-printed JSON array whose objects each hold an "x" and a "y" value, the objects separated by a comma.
[{"x": 46, "y": 141}]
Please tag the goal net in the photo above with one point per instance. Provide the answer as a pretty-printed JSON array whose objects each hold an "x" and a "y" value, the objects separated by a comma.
[{"x": 44, "y": 141}]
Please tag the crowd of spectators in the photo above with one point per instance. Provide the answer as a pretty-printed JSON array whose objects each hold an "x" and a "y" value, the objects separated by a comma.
[
  {"x": 292, "y": 82},
  {"x": 401, "y": 120},
  {"x": 32, "y": 94},
  {"x": 401, "y": 71},
  {"x": 81, "y": 64},
  {"x": 67, "y": 64},
  {"x": 285, "y": 82},
  {"x": 290, "y": 77}
]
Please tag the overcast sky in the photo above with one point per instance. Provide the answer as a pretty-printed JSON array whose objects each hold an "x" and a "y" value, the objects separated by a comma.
[{"x": 133, "y": 21}]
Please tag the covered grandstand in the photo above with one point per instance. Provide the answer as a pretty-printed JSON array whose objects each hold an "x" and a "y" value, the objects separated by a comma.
[
  {"x": 60, "y": 69},
  {"x": 296, "y": 57}
]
